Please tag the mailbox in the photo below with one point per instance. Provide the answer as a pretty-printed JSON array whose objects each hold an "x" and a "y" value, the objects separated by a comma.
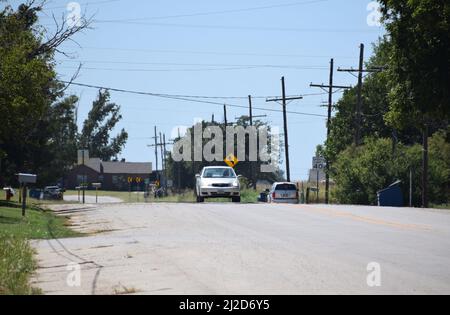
[
  {"x": 27, "y": 178},
  {"x": 97, "y": 185}
]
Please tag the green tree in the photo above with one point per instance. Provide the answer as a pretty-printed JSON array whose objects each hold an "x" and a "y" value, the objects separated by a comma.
[
  {"x": 64, "y": 140},
  {"x": 418, "y": 68},
  {"x": 101, "y": 121},
  {"x": 362, "y": 172},
  {"x": 28, "y": 88},
  {"x": 251, "y": 171}
]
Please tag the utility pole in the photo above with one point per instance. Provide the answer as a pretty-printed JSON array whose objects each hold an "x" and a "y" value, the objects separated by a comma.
[
  {"x": 156, "y": 152},
  {"x": 162, "y": 152},
  {"x": 225, "y": 115},
  {"x": 425, "y": 201},
  {"x": 359, "y": 105},
  {"x": 286, "y": 138},
  {"x": 84, "y": 177},
  {"x": 284, "y": 100},
  {"x": 330, "y": 88},
  {"x": 165, "y": 160},
  {"x": 410, "y": 187},
  {"x": 179, "y": 166},
  {"x": 252, "y": 166},
  {"x": 250, "y": 115},
  {"x": 162, "y": 143}
]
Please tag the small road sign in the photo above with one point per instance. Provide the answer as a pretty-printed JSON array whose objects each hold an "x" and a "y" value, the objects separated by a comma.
[
  {"x": 231, "y": 160},
  {"x": 130, "y": 180}
]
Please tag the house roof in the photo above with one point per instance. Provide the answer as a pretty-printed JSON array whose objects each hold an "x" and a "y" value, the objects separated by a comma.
[
  {"x": 126, "y": 168},
  {"x": 119, "y": 167},
  {"x": 95, "y": 164}
]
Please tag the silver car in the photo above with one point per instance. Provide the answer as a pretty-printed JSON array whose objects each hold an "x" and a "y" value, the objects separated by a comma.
[
  {"x": 284, "y": 193},
  {"x": 218, "y": 182}
]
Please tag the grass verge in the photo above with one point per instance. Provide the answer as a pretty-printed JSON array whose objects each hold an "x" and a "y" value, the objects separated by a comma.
[{"x": 17, "y": 262}]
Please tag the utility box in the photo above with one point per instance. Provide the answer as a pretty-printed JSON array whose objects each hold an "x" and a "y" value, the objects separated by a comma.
[{"x": 391, "y": 196}]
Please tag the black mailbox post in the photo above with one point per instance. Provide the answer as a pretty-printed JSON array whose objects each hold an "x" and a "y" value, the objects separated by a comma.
[{"x": 25, "y": 179}]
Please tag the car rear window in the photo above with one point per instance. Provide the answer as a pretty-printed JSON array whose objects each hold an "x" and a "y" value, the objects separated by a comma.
[{"x": 289, "y": 187}]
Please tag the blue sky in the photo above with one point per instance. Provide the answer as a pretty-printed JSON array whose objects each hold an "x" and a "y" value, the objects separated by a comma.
[{"x": 215, "y": 48}]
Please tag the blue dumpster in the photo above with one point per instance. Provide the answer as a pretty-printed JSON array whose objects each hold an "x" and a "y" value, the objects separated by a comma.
[
  {"x": 35, "y": 193},
  {"x": 263, "y": 197},
  {"x": 391, "y": 196}
]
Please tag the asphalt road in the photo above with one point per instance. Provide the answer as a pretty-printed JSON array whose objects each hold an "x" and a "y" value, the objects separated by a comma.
[{"x": 248, "y": 249}]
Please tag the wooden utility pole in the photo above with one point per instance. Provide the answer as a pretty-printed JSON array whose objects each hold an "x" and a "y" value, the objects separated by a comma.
[
  {"x": 225, "y": 120},
  {"x": 84, "y": 176},
  {"x": 165, "y": 160},
  {"x": 286, "y": 137},
  {"x": 252, "y": 166},
  {"x": 359, "y": 103},
  {"x": 156, "y": 151},
  {"x": 425, "y": 201},
  {"x": 284, "y": 100},
  {"x": 179, "y": 166},
  {"x": 330, "y": 89},
  {"x": 162, "y": 143},
  {"x": 162, "y": 151},
  {"x": 410, "y": 187}
]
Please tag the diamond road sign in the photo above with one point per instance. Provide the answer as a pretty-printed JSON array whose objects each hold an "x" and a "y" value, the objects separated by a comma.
[{"x": 231, "y": 160}]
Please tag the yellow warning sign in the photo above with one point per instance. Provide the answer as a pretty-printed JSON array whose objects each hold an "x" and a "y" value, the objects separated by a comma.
[
  {"x": 130, "y": 180},
  {"x": 231, "y": 160},
  {"x": 138, "y": 180}
]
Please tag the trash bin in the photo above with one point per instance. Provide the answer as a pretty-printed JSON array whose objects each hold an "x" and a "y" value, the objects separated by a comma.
[
  {"x": 35, "y": 194},
  {"x": 391, "y": 196},
  {"x": 263, "y": 197}
]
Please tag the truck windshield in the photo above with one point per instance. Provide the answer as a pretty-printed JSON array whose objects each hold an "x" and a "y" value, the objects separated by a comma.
[{"x": 219, "y": 173}]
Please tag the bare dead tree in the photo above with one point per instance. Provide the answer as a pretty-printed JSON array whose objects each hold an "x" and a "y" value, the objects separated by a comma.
[{"x": 63, "y": 32}]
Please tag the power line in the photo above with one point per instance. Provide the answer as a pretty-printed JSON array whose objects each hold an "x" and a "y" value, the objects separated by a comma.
[
  {"x": 219, "y": 12},
  {"x": 215, "y": 53},
  {"x": 185, "y": 69},
  {"x": 245, "y": 28},
  {"x": 174, "y": 97},
  {"x": 160, "y": 70},
  {"x": 195, "y": 64}
]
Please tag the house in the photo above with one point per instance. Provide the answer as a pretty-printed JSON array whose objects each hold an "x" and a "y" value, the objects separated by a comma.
[{"x": 114, "y": 176}]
